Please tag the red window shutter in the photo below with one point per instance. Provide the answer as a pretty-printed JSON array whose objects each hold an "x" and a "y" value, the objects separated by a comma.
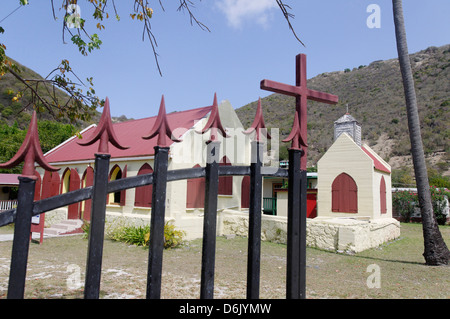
[
  {"x": 225, "y": 182},
  {"x": 245, "y": 192},
  {"x": 195, "y": 193},
  {"x": 143, "y": 194},
  {"x": 352, "y": 195},
  {"x": 88, "y": 177},
  {"x": 335, "y": 207},
  {"x": 383, "y": 208}
]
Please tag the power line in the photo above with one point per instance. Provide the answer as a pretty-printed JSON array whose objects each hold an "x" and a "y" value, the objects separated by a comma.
[{"x": 11, "y": 13}]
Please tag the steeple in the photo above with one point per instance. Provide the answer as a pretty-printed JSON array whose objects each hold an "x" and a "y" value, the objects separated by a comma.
[{"x": 349, "y": 125}]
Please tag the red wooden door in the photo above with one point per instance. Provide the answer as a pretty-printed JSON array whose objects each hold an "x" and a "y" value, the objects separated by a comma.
[
  {"x": 50, "y": 184},
  {"x": 88, "y": 180},
  {"x": 344, "y": 194},
  {"x": 74, "y": 184}
]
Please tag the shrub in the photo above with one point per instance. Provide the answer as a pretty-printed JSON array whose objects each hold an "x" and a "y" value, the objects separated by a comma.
[
  {"x": 172, "y": 237},
  {"x": 404, "y": 202},
  {"x": 119, "y": 229},
  {"x": 439, "y": 197}
]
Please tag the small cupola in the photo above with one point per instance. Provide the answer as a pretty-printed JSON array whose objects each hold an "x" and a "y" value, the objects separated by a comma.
[{"x": 349, "y": 125}]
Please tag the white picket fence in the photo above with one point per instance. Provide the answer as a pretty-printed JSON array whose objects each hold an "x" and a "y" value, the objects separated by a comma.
[{"x": 8, "y": 204}]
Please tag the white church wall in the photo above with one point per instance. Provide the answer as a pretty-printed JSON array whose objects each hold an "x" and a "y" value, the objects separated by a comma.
[{"x": 345, "y": 156}]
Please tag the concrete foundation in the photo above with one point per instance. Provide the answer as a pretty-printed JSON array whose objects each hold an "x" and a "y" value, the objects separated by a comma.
[{"x": 337, "y": 234}]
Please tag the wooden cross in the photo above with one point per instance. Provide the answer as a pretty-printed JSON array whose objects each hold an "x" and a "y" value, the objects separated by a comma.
[{"x": 302, "y": 94}]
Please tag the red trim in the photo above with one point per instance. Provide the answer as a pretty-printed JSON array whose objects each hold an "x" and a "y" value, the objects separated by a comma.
[{"x": 376, "y": 163}]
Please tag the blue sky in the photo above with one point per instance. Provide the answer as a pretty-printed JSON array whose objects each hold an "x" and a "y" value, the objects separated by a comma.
[{"x": 249, "y": 41}]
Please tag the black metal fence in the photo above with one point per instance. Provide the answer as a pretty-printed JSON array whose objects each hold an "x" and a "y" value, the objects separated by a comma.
[
  {"x": 26, "y": 208},
  {"x": 296, "y": 231}
]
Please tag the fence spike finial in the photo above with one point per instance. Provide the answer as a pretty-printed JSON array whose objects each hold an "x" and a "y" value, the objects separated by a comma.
[
  {"x": 259, "y": 126},
  {"x": 104, "y": 132},
  {"x": 214, "y": 122},
  {"x": 162, "y": 128},
  {"x": 30, "y": 152}
]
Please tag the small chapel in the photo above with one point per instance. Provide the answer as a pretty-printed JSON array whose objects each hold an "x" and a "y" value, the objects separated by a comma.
[
  {"x": 354, "y": 196},
  {"x": 353, "y": 180}
]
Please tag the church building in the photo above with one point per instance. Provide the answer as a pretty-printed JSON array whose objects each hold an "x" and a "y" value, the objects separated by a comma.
[
  {"x": 354, "y": 202},
  {"x": 185, "y": 198},
  {"x": 353, "y": 181}
]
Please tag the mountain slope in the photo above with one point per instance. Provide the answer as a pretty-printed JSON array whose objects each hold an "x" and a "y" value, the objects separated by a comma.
[{"x": 374, "y": 95}]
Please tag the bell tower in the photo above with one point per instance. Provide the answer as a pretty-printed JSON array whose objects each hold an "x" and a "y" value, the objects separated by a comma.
[{"x": 349, "y": 125}]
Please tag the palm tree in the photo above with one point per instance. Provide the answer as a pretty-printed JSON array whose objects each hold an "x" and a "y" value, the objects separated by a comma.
[{"x": 436, "y": 251}]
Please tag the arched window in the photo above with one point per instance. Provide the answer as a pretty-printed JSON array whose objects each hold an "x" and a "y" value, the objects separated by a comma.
[
  {"x": 344, "y": 194},
  {"x": 143, "y": 194},
  {"x": 225, "y": 182},
  {"x": 383, "y": 208},
  {"x": 195, "y": 193},
  {"x": 117, "y": 173},
  {"x": 65, "y": 182}
]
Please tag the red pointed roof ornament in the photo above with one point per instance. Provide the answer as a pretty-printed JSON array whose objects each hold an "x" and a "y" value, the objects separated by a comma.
[
  {"x": 214, "y": 123},
  {"x": 104, "y": 132},
  {"x": 30, "y": 152},
  {"x": 162, "y": 128},
  {"x": 296, "y": 134},
  {"x": 259, "y": 126}
]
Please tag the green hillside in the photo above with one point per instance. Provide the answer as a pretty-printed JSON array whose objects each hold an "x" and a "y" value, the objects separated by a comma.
[{"x": 374, "y": 95}]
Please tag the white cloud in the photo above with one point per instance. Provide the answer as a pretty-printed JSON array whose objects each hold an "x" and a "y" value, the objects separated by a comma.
[{"x": 238, "y": 11}]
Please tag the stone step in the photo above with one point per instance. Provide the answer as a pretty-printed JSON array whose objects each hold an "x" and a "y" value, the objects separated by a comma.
[{"x": 65, "y": 226}]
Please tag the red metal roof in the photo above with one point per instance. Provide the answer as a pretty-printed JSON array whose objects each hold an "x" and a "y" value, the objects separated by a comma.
[
  {"x": 9, "y": 179},
  {"x": 376, "y": 163},
  {"x": 129, "y": 134}
]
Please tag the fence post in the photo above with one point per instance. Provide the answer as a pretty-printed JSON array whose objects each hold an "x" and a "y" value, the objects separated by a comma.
[
  {"x": 293, "y": 227},
  {"x": 254, "y": 228},
  {"x": 210, "y": 218},
  {"x": 21, "y": 241},
  {"x": 155, "y": 253},
  {"x": 97, "y": 227},
  {"x": 302, "y": 229}
]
